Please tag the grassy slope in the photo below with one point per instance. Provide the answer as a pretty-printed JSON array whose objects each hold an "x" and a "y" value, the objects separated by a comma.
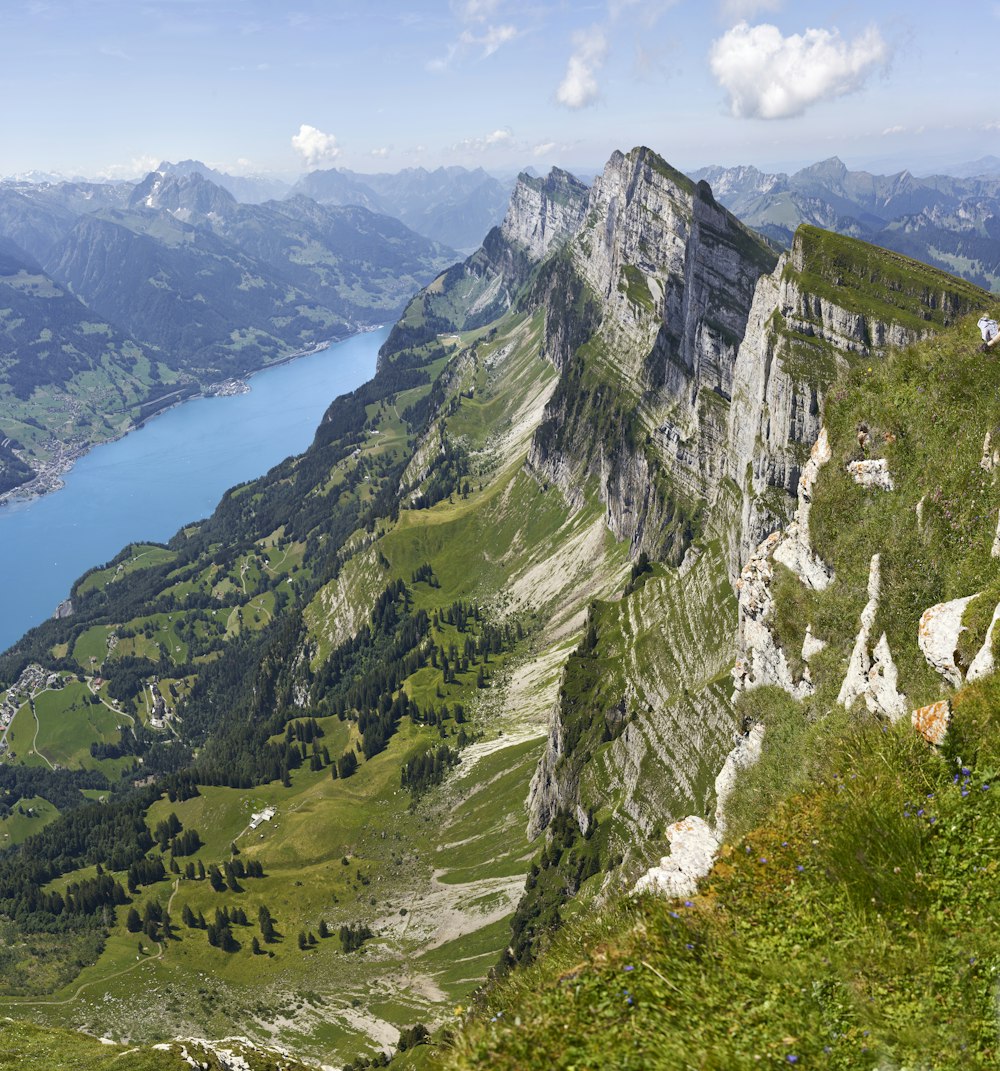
[{"x": 850, "y": 922}]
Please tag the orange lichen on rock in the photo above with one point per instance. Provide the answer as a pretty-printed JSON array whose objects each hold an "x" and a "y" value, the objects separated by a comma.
[{"x": 932, "y": 721}]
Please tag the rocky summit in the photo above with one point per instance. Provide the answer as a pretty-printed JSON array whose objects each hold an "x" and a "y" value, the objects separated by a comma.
[{"x": 609, "y": 684}]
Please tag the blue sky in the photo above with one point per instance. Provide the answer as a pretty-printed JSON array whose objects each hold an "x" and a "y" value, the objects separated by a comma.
[{"x": 112, "y": 86}]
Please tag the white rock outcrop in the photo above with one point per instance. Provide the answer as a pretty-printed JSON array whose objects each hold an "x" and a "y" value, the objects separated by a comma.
[
  {"x": 745, "y": 753},
  {"x": 938, "y": 635},
  {"x": 995, "y": 549},
  {"x": 693, "y": 841},
  {"x": 984, "y": 664},
  {"x": 872, "y": 474},
  {"x": 872, "y": 674},
  {"x": 932, "y": 721},
  {"x": 763, "y": 661},
  {"x": 991, "y": 456},
  {"x": 693, "y": 845}
]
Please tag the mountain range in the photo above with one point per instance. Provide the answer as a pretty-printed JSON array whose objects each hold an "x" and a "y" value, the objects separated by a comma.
[
  {"x": 684, "y": 541},
  {"x": 196, "y": 286},
  {"x": 952, "y": 222},
  {"x": 452, "y": 205}
]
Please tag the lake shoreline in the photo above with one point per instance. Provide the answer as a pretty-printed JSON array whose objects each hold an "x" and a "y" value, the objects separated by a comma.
[
  {"x": 49, "y": 477},
  {"x": 144, "y": 487}
]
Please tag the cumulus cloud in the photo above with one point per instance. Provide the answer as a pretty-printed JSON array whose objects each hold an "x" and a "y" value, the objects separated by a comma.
[
  {"x": 380, "y": 152},
  {"x": 137, "y": 167},
  {"x": 543, "y": 149},
  {"x": 500, "y": 138},
  {"x": 579, "y": 85},
  {"x": 314, "y": 146},
  {"x": 769, "y": 76}
]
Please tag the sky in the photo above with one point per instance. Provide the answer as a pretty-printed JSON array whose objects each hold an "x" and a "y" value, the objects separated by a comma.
[{"x": 109, "y": 88}]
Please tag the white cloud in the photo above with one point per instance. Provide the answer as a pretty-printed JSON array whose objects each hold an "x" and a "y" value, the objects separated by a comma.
[
  {"x": 579, "y": 85},
  {"x": 490, "y": 41},
  {"x": 543, "y": 149},
  {"x": 475, "y": 10},
  {"x": 893, "y": 130},
  {"x": 501, "y": 138},
  {"x": 314, "y": 146},
  {"x": 768, "y": 76},
  {"x": 380, "y": 152},
  {"x": 137, "y": 167},
  {"x": 735, "y": 10}
]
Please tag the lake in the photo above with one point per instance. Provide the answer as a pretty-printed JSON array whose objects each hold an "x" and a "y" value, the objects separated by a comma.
[{"x": 173, "y": 470}]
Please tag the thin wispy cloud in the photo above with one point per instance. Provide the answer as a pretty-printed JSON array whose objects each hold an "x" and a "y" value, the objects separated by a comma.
[
  {"x": 579, "y": 87},
  {"x": 481, "y": 36},
  {"x": 769, "y": 76},
  {"x": 314, "y": 146},
  {"x": 475, "y": 10},
  {"x": 491, "y": 40},
  {"x": 739, "y": 10}
]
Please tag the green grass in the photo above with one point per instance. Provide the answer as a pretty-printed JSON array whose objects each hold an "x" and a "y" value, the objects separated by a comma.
[
  {"x": 91, "y": 646},
  {"x": 880, "y": 284},
  {"x": 139, "y": 556},
  {"x": 25, "y": 1047},
  {"x": 67, "y": 724},
  {"x": 852, "y": 929},
  {"x": 27, "y": 816}
]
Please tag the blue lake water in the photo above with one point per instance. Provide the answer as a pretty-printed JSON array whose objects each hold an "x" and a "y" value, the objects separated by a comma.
[{"x": 173, "y": 470}]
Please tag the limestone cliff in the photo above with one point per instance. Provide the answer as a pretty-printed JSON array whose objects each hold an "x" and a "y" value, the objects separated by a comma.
[
  {"x": 641, "y": 408},
  {"x": 542, "y": 215},
  {"x": 691, "y": 391}
]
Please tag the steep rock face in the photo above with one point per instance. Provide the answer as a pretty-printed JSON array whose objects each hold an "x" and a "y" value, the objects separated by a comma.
[
  {"x": 544, "y": 212},
  {"x": 824, "y": 307},
  {"x": 542, "y": 215},
  {"x": 189, "y": 197},
  {"x": 642, "y": 408},
  {"x": 688, "y": 310}
]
